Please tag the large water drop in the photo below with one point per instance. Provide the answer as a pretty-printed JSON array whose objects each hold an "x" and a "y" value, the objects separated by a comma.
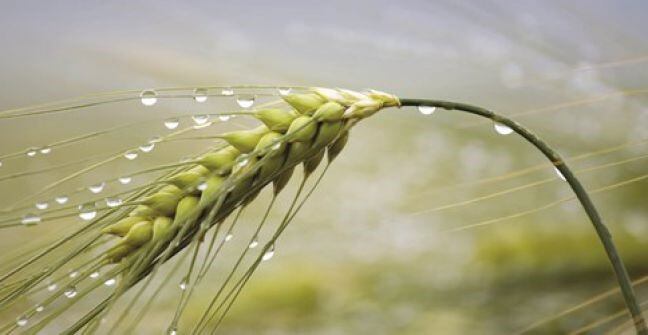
[
  {"x": 502, "y": 129},
  {"x": 97, "y": 188},
  {"x": 426, "y": 110},
  {"x": 148, "y": 98},
  {"x": 87, "y": 211},
  {"x": 245, "y": 100},
  {"x": 130, "y": 155},
  {"x": 200, "y": 94},
  {"x": 200, "y": 119},
  {"x": 61, "y": 199},
  {"x": 148, "y": 147},
  {"x": 268, "y": 254},
  {"x": 113, "y": 202},
  {"x": 171, "y": 123}
]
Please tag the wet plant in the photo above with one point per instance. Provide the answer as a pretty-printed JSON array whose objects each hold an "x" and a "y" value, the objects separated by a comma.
[{"x": 185, "y": 217}]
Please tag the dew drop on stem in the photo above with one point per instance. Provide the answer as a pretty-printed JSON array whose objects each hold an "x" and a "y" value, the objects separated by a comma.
[
  {"x": 200, "y": 95},
  {"x": 268, "y": 254},
  {"x": 97, "y": 188},
  {"x": 130, "y": 155},
  {"x": 245, "y": 100},
  {"x": 87, "y": 211},
  {"x": 70, "y": 292},
  {"x": 426, "y": 110},
  {"x": 30, "y": 219},
  {"x": 61, "y": 199},
  {"x": 502, "y": 129},
  {"x": 171, "y": 123},
  {"x": 148, "y": 98},
  {"x": 21, "y": 321}
]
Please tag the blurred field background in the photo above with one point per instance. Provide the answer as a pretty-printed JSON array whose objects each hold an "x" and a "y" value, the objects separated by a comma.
[{"x": 372, "y": 252}]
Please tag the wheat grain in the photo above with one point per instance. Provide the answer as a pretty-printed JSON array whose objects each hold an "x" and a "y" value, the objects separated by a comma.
[{"x": 205, "y": 191}]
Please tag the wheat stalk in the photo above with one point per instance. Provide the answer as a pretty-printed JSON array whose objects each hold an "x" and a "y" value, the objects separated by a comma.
[{"x": 176, "y": 212}]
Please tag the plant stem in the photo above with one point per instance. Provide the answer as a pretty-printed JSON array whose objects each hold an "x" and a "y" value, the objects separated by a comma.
[{"x": 582, "y": 195}]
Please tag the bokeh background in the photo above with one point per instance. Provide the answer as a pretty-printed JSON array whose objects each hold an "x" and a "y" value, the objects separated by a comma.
[{"x": 371, "y": 252}]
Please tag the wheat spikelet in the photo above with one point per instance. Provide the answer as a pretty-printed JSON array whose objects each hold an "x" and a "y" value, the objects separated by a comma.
[{"x": 175, "y": 213}]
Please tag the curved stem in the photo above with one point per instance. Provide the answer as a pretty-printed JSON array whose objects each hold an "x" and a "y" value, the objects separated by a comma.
[{"x": 601, "y": 230}]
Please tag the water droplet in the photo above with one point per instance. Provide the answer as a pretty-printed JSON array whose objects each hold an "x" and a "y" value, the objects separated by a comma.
[
  {"x": 70, "y": 292},
  {"x": 0, "y": 164},
  {"x": 61, "y": 199},
  {"x": 228, "y": 237},
  {"x": 155, "y": 139},
  {"x": 560, "y": 175},
  {"x": 113, "y": 202},
  {"x": 31, "y": 152},
  {"x": 74, "y": 274},
  {"x": 183, "y": 285},
  {"x": 276, "y": 146},
  {"x": 125, "y": 180},
  {"x": 268, "y": 254},
  {"x": 39, "y": 308},
  {"x": 130, "y": 155},
  {"x": 227, "y": 91},
  {"x": 243, "y": 160},
  {"x": 42, "y": 205},
  {"x": 200, "y": 119},
  {"x": 147, "y": 147},
  {"x": 200, "y": 94},
  {"x": 87, "y": 211},
  {"x": 284, "y": 90},
  {"x": 202, "y": 125},
  {"x": 502, "y": 129},
  {"x": 45, "y": 150},
  {"x": 94, "y": 275},
  {"x": 148, "y": 97},
  {"x": 224, "y": 118},
  {"x": 245, "y": 101},
  {"x": 30, "y": 219},
  {"x": 97, "y": 188},
  {"x": 21, "y": 321},
  {"x": 426, "y": 110},
  {"x": 253, "y": 244},
  {"x": 171, "y": 123},
  {"x": 172, "y": 331},
  {"x": 202, "y": 186},
  {"x": 51, "y": 287},
  {"x": 110, "y": 282}
]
